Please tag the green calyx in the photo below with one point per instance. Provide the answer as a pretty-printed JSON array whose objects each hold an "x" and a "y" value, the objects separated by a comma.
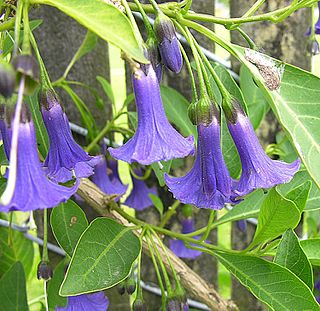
[{"x": 202, "y": 111}]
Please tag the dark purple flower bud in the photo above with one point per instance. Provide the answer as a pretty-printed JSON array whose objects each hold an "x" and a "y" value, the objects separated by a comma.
[
  {"x": 44, "y": 271},
  {"x": 242, "y": 225},
  {"x": 26, "y": 65},
  {"x": 93, "y": 302},
  {"x": 316, "y": 26},
  {"x": 131, "y": 285},
  {"x": 258, "y": 170},
  {"x": 168, "y": 43},
  {"x": 107, "y": 181},
  {"x": 139, "y": 196},
  {"x": 7, "y": 80},
  {"x": 65, "y": 156},
  {"x": 32, "y": 188},
  {"x": 155, "y": 138},
  {"x": 139, "y": 305},
  {"x": 179, "y": 248},
  {"x": 121, "y": 288},
  {"x": 208, "y": 184},
  {"x": 313, "y": 47}
]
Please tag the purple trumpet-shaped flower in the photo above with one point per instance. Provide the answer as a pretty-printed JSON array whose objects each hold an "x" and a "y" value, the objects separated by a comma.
[
  {"x": 86, "y": 302},
  {"x": 107, "y": 181},
  {"x": 33, "y": 190},
  {"x": 179, "y": 248},
  {"x": 258, "y": 170},
  {"x": 316, "y": 26},
  {"x": 208, "y": 184},
  {"x": 65, "y": 156},
  {"x": 155, "y": 138},
  {"x": 168, "y": 43},
  {"x": 139, "y": 196}
]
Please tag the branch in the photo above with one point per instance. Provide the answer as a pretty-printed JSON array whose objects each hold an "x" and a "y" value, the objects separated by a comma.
[{"x": 191, "y": 281}]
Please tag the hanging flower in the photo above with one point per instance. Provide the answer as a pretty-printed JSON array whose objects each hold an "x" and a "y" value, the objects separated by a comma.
[
  {"x": 86, "y": 302},
  {"x": 107, "y": 181},
  {"x": 208, "y": 184},
  {"x": 139, "y": 197},
  {"x": 179, "y": 248},
  {"x": 65, "y": 156},
  {"x": 32, "y": 188},
  {"x": 258, "y": 170},
  {"x": 155, "y": 138}
]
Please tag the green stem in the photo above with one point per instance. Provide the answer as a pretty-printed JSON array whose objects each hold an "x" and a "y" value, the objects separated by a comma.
[
  {"x": 193, "y": 83},
  {"x": 144, "y": 177},
  {"x": 145, "y": 19},
  {"x": 202, "y": 85},
  {"x": 26, "y": 48},
  {"x": 155, "y": 7},
  {"x": 163, "y": 268},
  {"x": 312, "y": 34},
  {"x": 45, "y": 256},
  {"x": 17, "y": 27},
  {"x": 100, "y": 136},
  {"x": 174, "y": 273},
  {"x": 8, "y": 25},
  {"x": 133, "y": 22},
  {"x": 186, "y": 7},
  {"x": 254, "y": 8},
  {"x": 250, "y": 42},
  {"x": 45, "y": 80},
  {"x": 156, "y": 267},
  {"x": 10, "y": 231},
  {"x": 211, "y": 219},
  {"x": 167, "y": 216}
]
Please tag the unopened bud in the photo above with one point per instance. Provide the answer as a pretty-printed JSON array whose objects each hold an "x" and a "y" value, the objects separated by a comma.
[
  {"x": 168, "y": 43},
  {"x": 7, "y": 79},
  {"x": 121, "y": 289},
  {"x": 131, "y": 286},
  {"x": 44, "y": 271},
  {"x": 139, "y": 305}
]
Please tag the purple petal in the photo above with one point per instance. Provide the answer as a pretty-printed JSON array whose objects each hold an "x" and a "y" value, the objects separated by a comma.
[
  {"x": 155, "y": 138},
  {"x": 93, "y": 302},
  {"x": 65, "y": 155},
  {"x": 208, "y": 184},
  {"x": 171, "y": 55},
  {"x": 258, "y": 170},
  {"x": 33, "y": 190}
]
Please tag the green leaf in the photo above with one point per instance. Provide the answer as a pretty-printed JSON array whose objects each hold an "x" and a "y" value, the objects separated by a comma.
[
  {"x": 248, "y": 208},
  {"x": 311, "y": 247},
  {"x": 276, "y": 286},
  {"x": 277, "y": 214},
  {"x": 291, "y": 256},
  {"x": 54, "y": 299},
  {"x": 68, "y": 222},
  {"x": 86, "y": 115},
  {"x": 41, "y": 132},
  {"x": 88, "y": 44},
  {"x": 107, "y": 88},
  {"x": 157, "y": 203},
  {"x": 21, "y": 249},
  {"x": 103, "y": 19},
  {"x": 298, "y": 195},
  {"x": 176, "y": 108},
  {"x": 160, "y": 168},
  {"x": 256, "y": 102},
  {"x": 297, "y": 107},
  {"x": 13, "y": 293},
  {"x": 103, "y": 257}
]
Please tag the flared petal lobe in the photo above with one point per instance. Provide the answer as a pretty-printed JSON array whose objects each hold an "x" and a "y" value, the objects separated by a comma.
[
  {"x": 139, "y": 197},
  {"x": 86, "y": 302},
  {"x": 179, "y": 248},
  {"x": 155, "y": 138},
  {"x": 258, "y": 170},
  {"x": 64, "y": 155},
  {"x": 107, "y": 181},
  {"x": 208, "y": 184},
  {"x": 33, "y": 190}
]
